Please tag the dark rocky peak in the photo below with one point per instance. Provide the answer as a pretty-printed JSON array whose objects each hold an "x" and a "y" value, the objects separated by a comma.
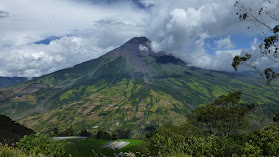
[
  {"x": 164, "y": 58},
  {"x": 138, "y": 40},
  {"x": 136, "y": 46},
  {"x": 160, "y": 53}
]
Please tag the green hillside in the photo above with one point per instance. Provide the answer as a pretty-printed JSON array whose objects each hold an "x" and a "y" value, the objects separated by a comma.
[
  {"x": 125, "y": 90},
  {"x": 11, "y": 132}
]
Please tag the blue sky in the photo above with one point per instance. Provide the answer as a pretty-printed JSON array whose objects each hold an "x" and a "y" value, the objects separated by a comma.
[
  {"x": 238, "y": 40},
  {"x": 39, "y": 37}
]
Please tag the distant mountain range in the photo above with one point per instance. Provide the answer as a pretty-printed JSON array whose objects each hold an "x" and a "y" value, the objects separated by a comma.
[
  {"x": 129, "y": 88},
  {"x": 9, "y": 81}
]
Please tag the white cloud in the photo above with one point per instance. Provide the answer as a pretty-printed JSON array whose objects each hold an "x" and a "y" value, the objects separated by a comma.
[
  {"x": 231, "y": 52},
  {"x": 93, "y": 29},
  {"x": 224, "y": 43},
  {"x": 36, "y": 60},
  {"x": 143, "y": 48},
  {"x": 179, "y": 27},
  {"x": 155, "y": 46},
  {"x": 254, "y": 44}
]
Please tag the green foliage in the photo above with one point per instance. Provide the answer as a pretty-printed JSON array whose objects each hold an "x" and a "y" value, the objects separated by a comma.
[
  {"x": 263, "y": 142},
  {"x": 238, "y": 60},
  {"x": 41, "y": 144},
  {"x": 103, "y": 135},
  {"x": 223, "y": 114},
  {"x": 6, "y": 151},
  {"x": 276, "y": 117},
  {"x": 67, "y": 132},
  {"x": 228, "y": 100},
  {"x": 267, "y": 139},
  {"x": 84, "y": 133},
  {"x": 54, "y": 132},
  {"x": 166, "y": 138},
  {"x": 191, "y": 144}
]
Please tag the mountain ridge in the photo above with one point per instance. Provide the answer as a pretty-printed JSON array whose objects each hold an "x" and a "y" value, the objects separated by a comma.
[
  {"x": 129, "y": 88},
  {"x": 10, "y": 81}
]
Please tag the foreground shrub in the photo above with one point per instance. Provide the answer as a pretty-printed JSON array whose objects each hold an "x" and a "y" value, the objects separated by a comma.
[
  {"x": 41, "y": 144},
  {"x": 168, "y": 142},
  {"x": 267, "y": 139},
  {"x": 6, "y": 151},
  {"x": 168, "y": 139}
]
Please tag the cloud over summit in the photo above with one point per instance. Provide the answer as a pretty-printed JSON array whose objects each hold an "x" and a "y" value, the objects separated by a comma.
[{"x": 88, "y": 29}]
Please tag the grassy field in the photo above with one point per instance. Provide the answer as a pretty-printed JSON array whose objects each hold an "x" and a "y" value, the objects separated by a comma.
[{"x": 85, "y": 148}]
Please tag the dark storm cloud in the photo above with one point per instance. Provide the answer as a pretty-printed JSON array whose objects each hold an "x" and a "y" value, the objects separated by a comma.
[
  {"x": 138, "y": 3},
  {"x": 4, "y": 14}
]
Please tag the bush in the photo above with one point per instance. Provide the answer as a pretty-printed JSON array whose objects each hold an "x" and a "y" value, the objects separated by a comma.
[
  {"x": 41, "y": 144},
  {"x": 193, "y": 145},
  {"x": 6, "y": 151},
  {"x": 267, "y": 139},
  {"x": 171, "y": 140},
  {"x": 103, "y": 135},
  {"x": 67, "y": 132},
  {"x": 84, "y": 133},
  {"x": 168, "y": 139}
]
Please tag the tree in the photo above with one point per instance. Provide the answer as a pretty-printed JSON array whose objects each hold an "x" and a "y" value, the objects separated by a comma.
[
  {"x": 223, "y": 115},
  {"x": 68, "y": 132},
  {"x": 113, "y": 136},
  {"x": 265, "y": 23},
  {"x": 103, "y": 135},
  {"x": 169, "y": 138},
  {"x": 100, "y": 135},
  {"x": 84, "y": 133},
  {"x": 55, "y": 131},
  {"x": 276, "y": 117}
]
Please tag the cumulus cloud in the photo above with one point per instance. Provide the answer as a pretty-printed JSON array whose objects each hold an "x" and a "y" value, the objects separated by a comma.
[
  {"x": 89, "y": 30},
  {"x": 183, "y": 27},
  {"x": 221, "y": 61},
  {"x": 39, "y": 59},
  {"x": 36, "y": 60}
]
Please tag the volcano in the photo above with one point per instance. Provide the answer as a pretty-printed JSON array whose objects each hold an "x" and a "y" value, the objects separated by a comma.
[{"x": 129, "y": 88}]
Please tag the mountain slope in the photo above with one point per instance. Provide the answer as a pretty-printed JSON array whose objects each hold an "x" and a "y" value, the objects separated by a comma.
[
  {"x": 129, "y": 88},
  {"x": 9, "y": 81},
  {"x": 11, "y": 132}
]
